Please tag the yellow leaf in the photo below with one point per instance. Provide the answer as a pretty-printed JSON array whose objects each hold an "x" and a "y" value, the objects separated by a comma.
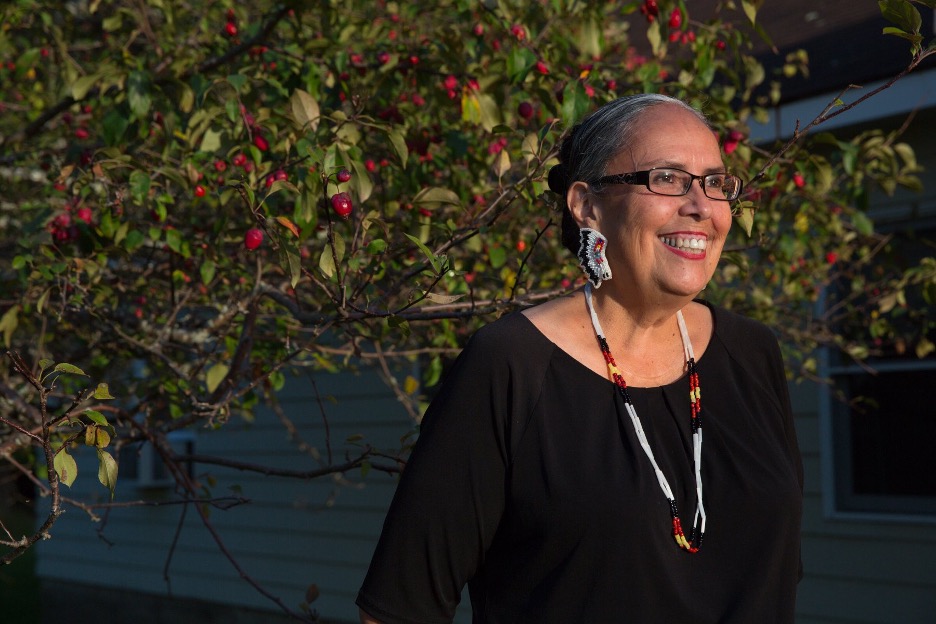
[
  {"x": 107, "y": 471},
  {"x": 8, "y": 323},
  {"x": 216, "y": 375},
  {"x": 65, "y": 467},
  {"x": 289, "y": 225},
  {"x": 410, "y": 385},
  {"x": 501, "y": 164}
]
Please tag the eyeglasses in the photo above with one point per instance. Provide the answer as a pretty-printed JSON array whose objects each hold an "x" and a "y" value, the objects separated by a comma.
[{"x": 676, "y": 182}]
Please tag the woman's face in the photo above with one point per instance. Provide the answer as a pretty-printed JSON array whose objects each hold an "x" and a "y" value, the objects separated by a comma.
[{"x": 664, "y": 245}]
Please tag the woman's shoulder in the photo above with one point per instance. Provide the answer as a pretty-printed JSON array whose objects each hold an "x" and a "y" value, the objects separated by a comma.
[
  {"x": 748, "y": 341},
  {"x": 740, "y": 330}
]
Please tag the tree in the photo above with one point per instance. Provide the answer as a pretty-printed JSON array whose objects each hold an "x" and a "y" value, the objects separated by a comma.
[{"x": 203, "y": 198}]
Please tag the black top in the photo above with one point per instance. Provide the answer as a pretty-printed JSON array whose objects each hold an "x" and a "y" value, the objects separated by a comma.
[{"x": 528, "y": 484}]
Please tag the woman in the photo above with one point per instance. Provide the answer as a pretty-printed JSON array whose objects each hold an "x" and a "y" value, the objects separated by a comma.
[{"x": 560, "y": 472}]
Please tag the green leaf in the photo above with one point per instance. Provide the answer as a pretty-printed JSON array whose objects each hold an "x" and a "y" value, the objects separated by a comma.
[
  {"x": 8, "y": 323},
  {"x": 361, "y": 182},
  {"x": 138, "y": 88},
  {"x": 490, "y": 112},
  {"x": 862, "y": 223},
  {"x": 750, "y": 9},
  {"x": 519, "y": 63},
  {"x": 216, "y": 375},
  {"x": 96, "y": 416},
  {"x": 68, "y": 368},
  {"x": 376, "y": 246},
  {"x": 746, "y": 217},
  {"x": 327, "y": 259},
  {"x": 497, "y": 256},
  {"x": 575, "y": 103},
  {"x": 65, "y": 467},
  {"x": 107, "y": 471},
  {"x": 207, "y": 271},
  {"x": 397, "y": 322},
  {"x": 295, "y": 266},
  {"x": 305, "y": 110},
  {"x": 139, "y": 186},
  {"x": 433, "y": 197},
  {"x": 115, "y": 125},
  {"x": 399, "y": 144},
  {"x": 45, "y": 363},
  {"x": 211, "y": 141},
  {"x": 174, "y": 240},
  {"x": 902, "y": 13},
  {"x": 431, "y": 257},
  {"x": 80, "y": 87}
]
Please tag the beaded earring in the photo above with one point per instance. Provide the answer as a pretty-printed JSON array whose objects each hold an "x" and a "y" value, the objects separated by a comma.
[{"x": 591, "y": 255}]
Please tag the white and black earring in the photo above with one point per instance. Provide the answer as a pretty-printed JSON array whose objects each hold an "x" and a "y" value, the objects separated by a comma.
[{"x": 591, "y": 255}]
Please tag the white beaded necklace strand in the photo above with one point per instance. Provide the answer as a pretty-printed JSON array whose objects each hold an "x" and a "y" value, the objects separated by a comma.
[{"x": 695, "y": 539}]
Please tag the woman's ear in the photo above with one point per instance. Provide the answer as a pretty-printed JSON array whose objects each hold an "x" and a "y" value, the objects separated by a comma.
[{"x": 581, "y": 203}]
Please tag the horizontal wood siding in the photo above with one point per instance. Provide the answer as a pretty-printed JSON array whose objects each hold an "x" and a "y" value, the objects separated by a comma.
[
  {"x": 293, "y": 533},
  {"x": 857, "y": 572}
]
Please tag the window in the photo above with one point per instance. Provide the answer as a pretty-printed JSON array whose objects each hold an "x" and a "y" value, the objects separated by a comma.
[
  {"x": 882, "y": 414},
  {"x": 141, "y": 465}
]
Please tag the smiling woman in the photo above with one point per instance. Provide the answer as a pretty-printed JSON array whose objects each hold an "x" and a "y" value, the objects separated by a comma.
[{"x": 554, "y": 469}]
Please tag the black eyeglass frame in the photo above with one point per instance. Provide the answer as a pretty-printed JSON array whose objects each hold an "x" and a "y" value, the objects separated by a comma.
[{"x": 643, "y": 178}]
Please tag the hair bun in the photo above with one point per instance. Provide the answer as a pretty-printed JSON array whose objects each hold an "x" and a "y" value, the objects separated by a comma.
[{"x": 558, "y": 179}]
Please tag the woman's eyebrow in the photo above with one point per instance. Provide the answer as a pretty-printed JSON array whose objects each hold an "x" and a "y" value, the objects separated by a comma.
[{"x": 673, "y": 164}]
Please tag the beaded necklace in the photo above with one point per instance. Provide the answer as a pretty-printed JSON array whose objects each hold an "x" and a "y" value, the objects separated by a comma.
[{"x": 698, "y": 524}]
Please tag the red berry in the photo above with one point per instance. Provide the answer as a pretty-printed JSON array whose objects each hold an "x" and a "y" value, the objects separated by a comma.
[
  {"x": 798, "y": 180},
  {"x": 450, "y": 82},
  {"x": 831, "y": 257},
  {"x": 83, "y": 214},
  {"x": 341, "y": 202},
  {"x": 280, "y": 175},
  {"x": 344, "y": 175},
  {"x": 675, "y": 18},
  {"x": 542, "y": 68},
  {"x": 370, "y": 165},
  {"x": 518, "y": 31},
  {"x": 253, "y": 238},
  {"x": 239, "y": 160},
  {"x": 383, "y": 58},
  {"x": 525, "y": 110},
  {"x": 220, "y": 165},
  {"x": 721, "y": 45},
  {"x": 230, "y": 29},
  {"x": 521, "y": 246},
  {"x": 418, "y": 100},
  {"x": 478, "y": 30},
  {"x": 199, "y": 191},
  {"x": 261, "y": 143},
  {"x": 82, "y": 133}
]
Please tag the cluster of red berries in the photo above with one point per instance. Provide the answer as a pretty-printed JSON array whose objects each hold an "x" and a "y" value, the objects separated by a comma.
[
  {"x": 341, "y": 202},
  {"x": 650, "y": 9},
  {"x": 64, "y": 228},
  {"x": 732, "y": 140}
]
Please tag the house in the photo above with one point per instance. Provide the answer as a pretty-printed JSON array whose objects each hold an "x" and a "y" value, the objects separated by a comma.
[{"x": 868, "y": 540}]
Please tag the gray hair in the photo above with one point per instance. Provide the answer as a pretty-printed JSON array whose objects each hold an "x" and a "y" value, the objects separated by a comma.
[{"x": 595, "y": 142}]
